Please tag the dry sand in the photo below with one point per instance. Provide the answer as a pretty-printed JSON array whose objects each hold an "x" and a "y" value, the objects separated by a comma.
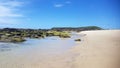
[{"x": 99, "y": 49}]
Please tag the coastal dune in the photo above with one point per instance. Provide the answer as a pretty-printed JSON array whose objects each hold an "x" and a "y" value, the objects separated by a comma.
[{"x": 98, "y": 49}]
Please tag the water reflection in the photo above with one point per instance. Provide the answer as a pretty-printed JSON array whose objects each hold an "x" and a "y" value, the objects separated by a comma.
[
  {"x": 48, "y": 44},
  {"x": 7, "y": 46},
  {"x": 35, "y": 51}
]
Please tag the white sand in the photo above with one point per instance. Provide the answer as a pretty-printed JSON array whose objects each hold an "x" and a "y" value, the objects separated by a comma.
[{"x": 99, "y": 49}]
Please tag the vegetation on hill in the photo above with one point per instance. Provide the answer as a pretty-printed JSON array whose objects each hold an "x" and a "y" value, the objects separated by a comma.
[{"x": 78, "y": 29}]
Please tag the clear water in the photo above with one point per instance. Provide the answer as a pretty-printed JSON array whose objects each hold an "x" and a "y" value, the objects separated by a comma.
[
  {"x": 49, "y": 44},
  {"x": 33, "y": 50}
]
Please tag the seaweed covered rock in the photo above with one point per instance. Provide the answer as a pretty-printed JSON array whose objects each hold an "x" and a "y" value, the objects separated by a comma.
[
  {"x": 61, "y": 34},
  {"x": 64, "y": 35},
  {"x": 17, "y": 39},
  {"x": 77, "y": 39}
]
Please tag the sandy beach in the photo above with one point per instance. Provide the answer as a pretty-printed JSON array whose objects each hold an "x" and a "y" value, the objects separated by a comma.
[{"x": 98, "y": 49}]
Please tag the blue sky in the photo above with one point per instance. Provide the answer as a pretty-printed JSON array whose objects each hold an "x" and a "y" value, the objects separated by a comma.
[{"x": 59, "y": 13}]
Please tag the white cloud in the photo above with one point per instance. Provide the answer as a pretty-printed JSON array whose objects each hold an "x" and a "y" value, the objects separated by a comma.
[
  {"x": 12, "y": 3},
  {"x": 58, "y": 5},
  {"x": 10, "y": 12},
  {"x": 7, "y": 20}
]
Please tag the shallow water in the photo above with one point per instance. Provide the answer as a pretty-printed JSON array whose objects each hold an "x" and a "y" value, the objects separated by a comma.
[
  {"x": 34, "y": 51},
  {"x": 49, "y": 44}
]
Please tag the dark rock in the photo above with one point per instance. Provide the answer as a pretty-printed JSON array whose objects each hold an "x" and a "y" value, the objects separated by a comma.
[{"x": 77, "y": 39}]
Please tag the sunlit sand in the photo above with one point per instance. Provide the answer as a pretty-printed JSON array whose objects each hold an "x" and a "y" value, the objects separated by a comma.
[{"x": 99, "y": 49}]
